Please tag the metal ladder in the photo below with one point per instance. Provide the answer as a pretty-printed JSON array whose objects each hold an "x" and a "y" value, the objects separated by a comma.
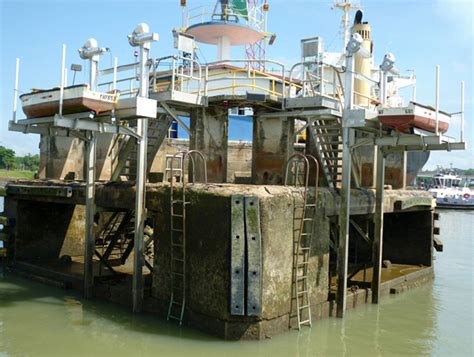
[
  {"x": 327, "y": 136},
  {"x": 178, "y": 231},
  {"x": 127, "y": 158},
  {"x": 171, "y": 170},
  {"x": 302, "y": 234}
]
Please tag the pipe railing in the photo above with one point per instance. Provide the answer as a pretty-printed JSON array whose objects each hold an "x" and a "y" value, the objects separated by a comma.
[
  {"x": 316, "y": 78},
  {"x": 185, "y": 72},
  {"x": 210, "y": 13},
  {"x": 247, "y": 81}
]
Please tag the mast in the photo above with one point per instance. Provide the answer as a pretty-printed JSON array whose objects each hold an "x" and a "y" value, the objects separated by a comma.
[{"x": 346, "y": 6}]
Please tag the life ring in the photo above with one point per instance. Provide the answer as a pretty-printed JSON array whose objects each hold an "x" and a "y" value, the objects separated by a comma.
[{"x": 467, "y": 196}]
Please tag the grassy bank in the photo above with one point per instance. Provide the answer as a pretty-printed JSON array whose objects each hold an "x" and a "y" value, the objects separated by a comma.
[{"x": 16, "y": 174}]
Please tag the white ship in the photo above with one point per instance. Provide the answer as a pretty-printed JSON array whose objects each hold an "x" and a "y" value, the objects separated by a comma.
[{"x": 449, "y": 193}]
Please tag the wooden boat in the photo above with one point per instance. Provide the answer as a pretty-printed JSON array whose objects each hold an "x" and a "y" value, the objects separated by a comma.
[
  {"x": 415, "y": 115},
  {"x": 77, "y": 99}
]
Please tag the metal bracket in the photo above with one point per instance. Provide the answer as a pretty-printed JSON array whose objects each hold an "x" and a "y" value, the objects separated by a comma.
[
  {"x": 254, "y": 256},
  {"x": 55, "y": 191},
  {"x": 237, "y": 261},
  {"x": 171, "y": 112},
  {"x": 246, "y": 257}
]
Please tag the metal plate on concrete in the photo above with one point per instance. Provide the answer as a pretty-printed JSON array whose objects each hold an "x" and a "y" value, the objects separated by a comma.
[
  {"x": 237, "y": 261},
  {"x": 254, "y": 256},
  {"x": 54, "y": 191}
]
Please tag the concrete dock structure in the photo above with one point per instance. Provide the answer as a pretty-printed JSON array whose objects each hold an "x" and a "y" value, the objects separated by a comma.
[{"x": 243, "y": 240}]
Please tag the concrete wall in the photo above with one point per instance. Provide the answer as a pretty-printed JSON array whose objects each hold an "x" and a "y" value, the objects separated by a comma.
[
  {"x": 238, "y": 163},
  {"x": 208, "y": 251},
  {"x": 60, "y": 156},
  {"x": 46, "y": 231}
]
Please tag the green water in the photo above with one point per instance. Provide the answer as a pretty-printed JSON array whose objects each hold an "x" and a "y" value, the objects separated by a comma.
[{"x": 436, "y": 319}]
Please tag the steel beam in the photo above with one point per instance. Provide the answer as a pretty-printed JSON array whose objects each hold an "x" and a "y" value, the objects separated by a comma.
[
  {"x": 90, "y": 212},
  {"x": 378, "y": 233},
  {"x": 144, "y": 41},
  {"x": 344, "y": 215}
]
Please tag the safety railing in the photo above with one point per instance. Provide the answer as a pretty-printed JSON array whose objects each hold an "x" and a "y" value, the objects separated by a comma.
[
  {"x": 251, "y": 16},
  {"x": 236, "y": 76},
  {"x": 185, "y": 74},
  {"x": 316, "y": 78},
  {"x": 124, "y": 79}
]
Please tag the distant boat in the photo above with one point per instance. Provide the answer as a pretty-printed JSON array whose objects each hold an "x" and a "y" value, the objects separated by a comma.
[
  {"x": 77, "y": 99},
  {"x": 448, "y": 191},
  {"x": 415, "y": 115}
]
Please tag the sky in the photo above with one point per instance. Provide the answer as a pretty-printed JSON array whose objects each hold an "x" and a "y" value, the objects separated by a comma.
[{"x": 421, "y": 34}]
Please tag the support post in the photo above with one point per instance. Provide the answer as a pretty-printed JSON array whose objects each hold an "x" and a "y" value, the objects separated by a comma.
[
  {"x": 209, "y": 135},
  {"x": 91, "y": 52},
  {"x": 378, "y": 234},
  {"x": 15, "y": 92},
  {"x": 61, "y": 89},
  {"x": 143, "y": 38},
  {"x": 273, "y": 145},
  {"x": 404, "y": 169},
  {"x": 90, "y": 212},
  {"x": 437, "y": 101},
  {"x": 344, "y": 215},
  {"x": 462, "y": 111},
  {"x": 348, "y": 138}
]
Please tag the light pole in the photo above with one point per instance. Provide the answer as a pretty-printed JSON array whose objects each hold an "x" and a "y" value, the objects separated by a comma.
[
  {"x": 141, "y": 37},
  {"x": 353, "y": 46},
  {"x": 90, "y": 51}
]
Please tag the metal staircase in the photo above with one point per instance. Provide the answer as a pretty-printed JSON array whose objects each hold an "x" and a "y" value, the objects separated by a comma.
[
  {"x": 114, "y": 242},
  {"x": 302, "y": 236},
  {"x": 326, "y": 134},
  {"x": 127, "y": 158},
  {"x": 178, "y": 205}
]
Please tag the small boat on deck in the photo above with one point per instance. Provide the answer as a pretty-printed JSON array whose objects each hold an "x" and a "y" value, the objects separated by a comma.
[
  {"x": 415, "y": 115},
  {"x": 76, "y": 99}
]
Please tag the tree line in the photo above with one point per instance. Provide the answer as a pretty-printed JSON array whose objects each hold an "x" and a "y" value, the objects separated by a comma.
[{"x": 9, "y": 160}]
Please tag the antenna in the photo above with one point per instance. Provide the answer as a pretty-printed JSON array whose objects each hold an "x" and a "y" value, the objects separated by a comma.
[{"x": 346, "y": 6}]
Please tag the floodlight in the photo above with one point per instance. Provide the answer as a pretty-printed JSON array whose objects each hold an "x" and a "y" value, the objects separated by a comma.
[
  {"x": 91, "y": 49},
  {"x": 354, "y": 43},
  {"x": 142, "y": 35},
  {"x": 272, "y": 39},
  {"x": 76, "y": 67},
  {"x": 388, "y": 62}
]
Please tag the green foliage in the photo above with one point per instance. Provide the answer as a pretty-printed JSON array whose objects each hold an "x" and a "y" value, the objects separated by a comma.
[
  {"x": 7, "y": 158},
  {"x": 28, "y": 162},
  {"x": 9, "y": 161}
]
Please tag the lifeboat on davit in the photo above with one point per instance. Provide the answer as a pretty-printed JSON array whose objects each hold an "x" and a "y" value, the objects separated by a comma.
[
  {"x": 415, "y": 115},
  {"x": 76, "y": 99}
]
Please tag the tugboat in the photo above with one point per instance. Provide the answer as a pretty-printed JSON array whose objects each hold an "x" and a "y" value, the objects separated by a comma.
[{"x": 449, "y": 193}]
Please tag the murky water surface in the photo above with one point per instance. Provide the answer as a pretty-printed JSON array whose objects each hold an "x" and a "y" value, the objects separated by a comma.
[{"x": 436, "y": 319}]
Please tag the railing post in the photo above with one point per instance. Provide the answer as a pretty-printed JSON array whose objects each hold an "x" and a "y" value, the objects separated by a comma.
[
  {"x": 172, "y": 74},
  {"x": 462, "y": 111},
  {"x": 206, "y": 80},
  {"x": 61, "y": 89},
  {"x": 15, "y": 92},
  {"x": 114, "y": 85},
  {"x": 437, "y": 101}
]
